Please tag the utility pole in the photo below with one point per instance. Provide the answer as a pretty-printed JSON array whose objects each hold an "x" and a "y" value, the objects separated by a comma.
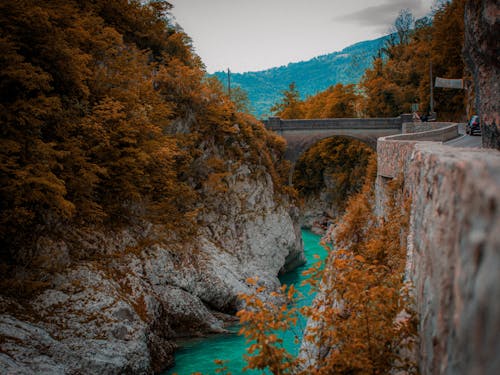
[
  {"x": 229, "y": 83},
  {"x": 432, "y": 89}
]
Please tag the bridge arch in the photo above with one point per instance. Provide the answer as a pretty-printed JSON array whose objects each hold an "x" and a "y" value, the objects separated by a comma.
[
  {"x": 297, "y": 145},
  {"x": 302, "y": 134}
]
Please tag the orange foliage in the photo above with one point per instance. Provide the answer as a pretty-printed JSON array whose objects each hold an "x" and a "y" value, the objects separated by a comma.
[
  {"x": 342, "y": 160},
  {"x": 394, "y": 83},
  {"x": 107, "y": 119},
  {"x": 355, "y": 322},
  {"x": 260, "y": 323},
  {"x": 335, "y": 102}
]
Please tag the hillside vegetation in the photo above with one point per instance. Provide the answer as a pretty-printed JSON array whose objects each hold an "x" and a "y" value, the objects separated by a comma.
[
  {"x": 264, "y": 87},
  {"x": 107, "y": 118},
  {"x": 331, "y": 171},
  {"x": 362, "y": 322},
  {"x": 399, "y": 76}
]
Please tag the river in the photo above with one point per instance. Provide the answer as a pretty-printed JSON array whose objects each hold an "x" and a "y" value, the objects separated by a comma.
[{"x": 197, "y": 355}]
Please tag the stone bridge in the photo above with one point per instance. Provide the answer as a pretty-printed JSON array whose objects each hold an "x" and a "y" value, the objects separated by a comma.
[{"x": 302, "y": 134}]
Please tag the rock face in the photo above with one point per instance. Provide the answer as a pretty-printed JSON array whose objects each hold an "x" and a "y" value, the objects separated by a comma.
[
  {"x": 121, "y": 312},
  {"x": 318, "y": 211},
  {"x": 481, "y": 51}
]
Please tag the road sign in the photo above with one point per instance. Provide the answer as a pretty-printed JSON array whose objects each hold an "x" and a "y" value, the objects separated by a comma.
[{"x": 449, "y": 83}]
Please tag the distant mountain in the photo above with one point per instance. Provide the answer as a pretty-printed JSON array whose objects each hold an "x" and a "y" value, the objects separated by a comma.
[{"x": 264, "y": 88}]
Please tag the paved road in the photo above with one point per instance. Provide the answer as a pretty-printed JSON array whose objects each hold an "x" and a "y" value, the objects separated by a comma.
[{"x": 465, "y": 140}]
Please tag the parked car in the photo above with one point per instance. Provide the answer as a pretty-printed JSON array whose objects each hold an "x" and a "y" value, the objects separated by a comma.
[{"x": 473, "y": 126}]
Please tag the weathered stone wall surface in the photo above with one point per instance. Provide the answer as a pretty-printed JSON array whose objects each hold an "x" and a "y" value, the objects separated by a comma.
[
  {"x": 454, "y": 250},
  {"x": 481, "y": 51},
  {"x": 455, "y": 221},
  {"x": 391, "y": 156}
]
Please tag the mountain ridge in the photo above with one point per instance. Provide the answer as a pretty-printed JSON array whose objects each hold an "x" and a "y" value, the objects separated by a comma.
[{"x": 264, "y": 88}]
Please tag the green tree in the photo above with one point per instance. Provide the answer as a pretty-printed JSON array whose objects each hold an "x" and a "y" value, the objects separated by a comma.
[{"x": 290, "y": 104}]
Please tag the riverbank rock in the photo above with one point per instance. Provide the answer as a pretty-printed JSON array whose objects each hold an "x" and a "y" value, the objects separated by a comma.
[{"x": 121, "y": 309}]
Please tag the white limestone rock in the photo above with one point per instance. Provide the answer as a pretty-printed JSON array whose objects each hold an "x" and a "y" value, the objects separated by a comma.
[{"x": 122, "y": 312}]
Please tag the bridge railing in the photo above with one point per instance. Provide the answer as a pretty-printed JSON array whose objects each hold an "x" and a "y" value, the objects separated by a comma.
[{"x": 278, "y": 124}]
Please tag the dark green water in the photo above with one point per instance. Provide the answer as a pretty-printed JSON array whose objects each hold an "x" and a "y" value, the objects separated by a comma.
[{"x": 197, "y": 355}]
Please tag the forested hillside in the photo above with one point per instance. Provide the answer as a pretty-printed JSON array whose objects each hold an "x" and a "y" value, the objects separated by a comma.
[
  {"x": 107, "y": 118},
  {"x": 129, "y": 187},
  {"x": 399, "y": 77},
  {"x": 264, "y": 88}
]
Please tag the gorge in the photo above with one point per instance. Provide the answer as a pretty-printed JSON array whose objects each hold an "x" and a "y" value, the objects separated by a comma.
[
  {"x": 140, "y": 207},
  {"x": 123, "y": 310},
  {"x": 198, "y": 354}
]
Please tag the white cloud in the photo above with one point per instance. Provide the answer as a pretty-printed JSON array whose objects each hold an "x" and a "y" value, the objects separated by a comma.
[{"x": 384, "y": 14}]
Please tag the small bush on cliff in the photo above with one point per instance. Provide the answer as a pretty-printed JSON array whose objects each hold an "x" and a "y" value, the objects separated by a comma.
[{"x": 341, "y": 160}]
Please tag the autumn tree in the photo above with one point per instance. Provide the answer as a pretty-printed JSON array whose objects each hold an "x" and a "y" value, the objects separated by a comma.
[
  {"x": 361, "y": 321},
  {"x": 338, "y": 101},
  {"x": 403, "y": 26},
  {"x": 401, "y": 76},
  {"x": 341, "y": 160},
  {"x": 107, "y": 120},
  {"x": 382, "y": 97},
  {"x": 446, "y": 55}
]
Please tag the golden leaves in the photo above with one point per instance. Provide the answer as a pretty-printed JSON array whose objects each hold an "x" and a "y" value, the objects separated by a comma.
[
  {"x": 361, "y": 318},
  {"x": 262, "y": 320}
]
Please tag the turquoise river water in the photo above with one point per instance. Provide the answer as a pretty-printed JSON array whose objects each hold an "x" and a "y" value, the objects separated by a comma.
[{"x": 197, "y": 355}]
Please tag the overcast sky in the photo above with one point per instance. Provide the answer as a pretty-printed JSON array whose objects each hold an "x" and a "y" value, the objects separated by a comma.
[{"x": 251, "y": 35}]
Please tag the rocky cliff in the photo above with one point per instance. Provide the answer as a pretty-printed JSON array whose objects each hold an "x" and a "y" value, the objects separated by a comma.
[
  {"x": 481, "y": 51},
  {"x": 121, "y": 310},
  {"x": 318, "y": 211}
]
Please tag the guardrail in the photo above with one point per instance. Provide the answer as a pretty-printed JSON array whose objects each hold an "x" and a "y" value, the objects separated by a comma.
[
  {"x": 441, "y": 132},
  {"x": 394, "y": 150}
]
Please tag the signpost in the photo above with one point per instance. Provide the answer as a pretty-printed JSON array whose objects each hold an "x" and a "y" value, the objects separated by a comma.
[{"x": 449, "y": 83}]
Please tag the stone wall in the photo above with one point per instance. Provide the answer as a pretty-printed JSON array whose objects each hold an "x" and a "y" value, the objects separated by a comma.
[
  {"x": 392, "y": 155},
  {"x": 441, "y": 134},
  {"x": 417, "y": 127},
  {"x": 453, "y": 250}
]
